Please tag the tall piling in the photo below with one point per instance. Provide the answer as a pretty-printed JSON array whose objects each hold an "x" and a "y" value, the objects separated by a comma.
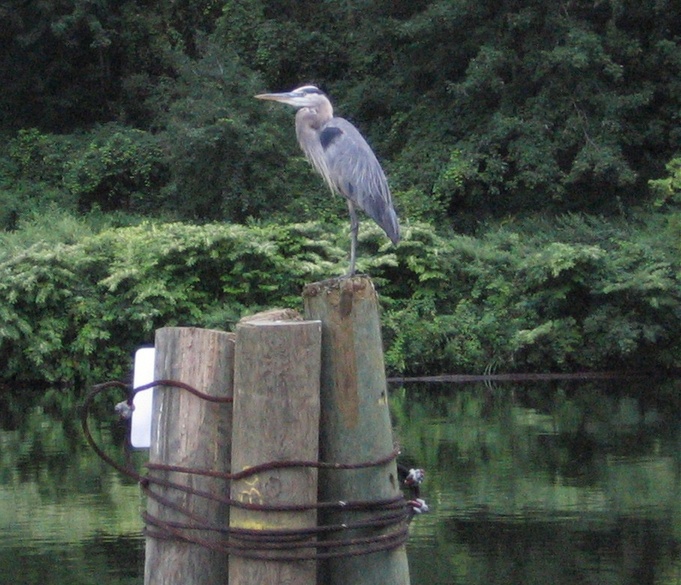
[
  {"x": 355, "y": 424},
  {"x": 189, "y": 432},
  {"x": 276, "y": 419}
]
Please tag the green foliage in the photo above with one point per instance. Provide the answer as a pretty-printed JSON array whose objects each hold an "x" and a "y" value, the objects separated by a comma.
[
  {"x": 69, "y": 64},
  {"x": 55, "y": 61},
  {"x": 40, "y": 157},
  {"x": 479, "y": 112},
  {"x": 31, "y": 165},
  {"x": 49, "y": 227},
  {"x": 28, "y": 149},
  {"x": 74, "y": 312},
  {"x": 119, "y": 169},
  {"x": 110, "y": 168},
  {"x": 228, "y": 160},
  {"x": 285, "y": 41},
  {"x": 541, "y": 104},
  {"x": 583, "y": 295},
  {"x": 667, "y": 190}
]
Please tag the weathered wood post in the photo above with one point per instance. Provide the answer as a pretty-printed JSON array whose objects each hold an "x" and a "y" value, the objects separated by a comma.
[
  {"x": 276, "y": 418},
  {"x": 190, "y": 432},
  {"x": 355, "y": 421}
]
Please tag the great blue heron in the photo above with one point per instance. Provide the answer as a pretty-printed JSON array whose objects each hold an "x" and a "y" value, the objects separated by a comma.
[{"x": 339, "y": 153}]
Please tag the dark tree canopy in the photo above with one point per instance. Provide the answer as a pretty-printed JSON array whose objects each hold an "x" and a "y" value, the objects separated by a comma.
[{"x": 478, "y": 109}]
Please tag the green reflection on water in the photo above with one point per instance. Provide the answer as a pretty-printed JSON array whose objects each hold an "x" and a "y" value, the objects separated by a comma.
[
  {"x": 541, "y": 483},
  {"x": 562, "y": 484},
  {"x": 65, "y": 516}
]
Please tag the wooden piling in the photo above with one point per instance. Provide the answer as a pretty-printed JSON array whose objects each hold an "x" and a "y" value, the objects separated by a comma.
[
  {"x": 190, "y": 432},
  {"x": 355, "y": 422},
  {"x": 276, "y": 418}
]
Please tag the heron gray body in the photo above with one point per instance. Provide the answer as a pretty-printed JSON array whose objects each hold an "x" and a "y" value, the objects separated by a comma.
[{"x": 339, "y": 153}]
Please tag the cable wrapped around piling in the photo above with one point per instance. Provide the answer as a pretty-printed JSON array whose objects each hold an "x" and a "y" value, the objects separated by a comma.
[{"x": 383, "y": 523}]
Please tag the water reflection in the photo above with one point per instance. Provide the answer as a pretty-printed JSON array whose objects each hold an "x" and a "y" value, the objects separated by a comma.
[
  {"x": 538, "y": 483},
  {"x": 64, "y": 516},
  {"x": 532, "y": 484}
]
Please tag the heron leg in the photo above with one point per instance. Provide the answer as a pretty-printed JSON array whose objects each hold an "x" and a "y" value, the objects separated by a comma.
[{"x": 354, "y": 229}]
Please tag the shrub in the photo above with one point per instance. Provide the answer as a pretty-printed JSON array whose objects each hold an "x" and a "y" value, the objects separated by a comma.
[
  {"x": 667, "y": 190},
  {"x": 580, "y": 294},
  {"x": 119, "y": 169}
]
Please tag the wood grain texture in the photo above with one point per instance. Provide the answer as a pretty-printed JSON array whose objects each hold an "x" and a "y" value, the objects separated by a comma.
[
  {"x": 355, "y": 420},
  {"x": 190, "y": 432},
  {"x": 276, "y": 414}
]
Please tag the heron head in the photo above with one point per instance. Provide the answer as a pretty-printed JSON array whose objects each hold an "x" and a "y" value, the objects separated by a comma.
[{"x": 306, "y": 96}]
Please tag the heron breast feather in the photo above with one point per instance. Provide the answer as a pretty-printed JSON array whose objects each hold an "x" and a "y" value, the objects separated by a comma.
[{"x": 329, "y": 135}]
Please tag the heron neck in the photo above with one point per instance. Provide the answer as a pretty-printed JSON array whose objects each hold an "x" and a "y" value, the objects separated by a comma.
[{"x": 315, "y": 117}]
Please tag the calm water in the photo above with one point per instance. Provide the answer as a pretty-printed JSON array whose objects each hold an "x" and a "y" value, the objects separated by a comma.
[{"x": 539, "y": 483}]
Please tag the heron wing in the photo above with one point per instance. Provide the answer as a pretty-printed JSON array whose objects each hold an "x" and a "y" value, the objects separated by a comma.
[{"x": 353, "y": 170}]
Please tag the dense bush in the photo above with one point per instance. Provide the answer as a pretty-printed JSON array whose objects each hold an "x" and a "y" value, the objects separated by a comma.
[
  {"x": 75, "y": 311},
  {"x": 527, "y": 296},
  {"x": 119, "y": 168},
  {"x": 110, "y": 168},
  {"x": 585, "y": 294},
  {"x": 668, "y": 189}
]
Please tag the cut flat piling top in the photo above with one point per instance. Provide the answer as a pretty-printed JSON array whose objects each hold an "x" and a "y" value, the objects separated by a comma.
[
  {"x": 353, "y": 356},
  {"x": 355, "y": 429},
  {"x": 273, "y": 315},
  {"x": 276, "y": 419},
  {"x": 191, "y": 433},
  {"x": 359, "y": 284}
]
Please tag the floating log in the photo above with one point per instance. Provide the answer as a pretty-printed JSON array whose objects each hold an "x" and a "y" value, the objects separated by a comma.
[
  {"x": 276, "y": 418},
  {"x": 190, "y": 432},
  {"x": 527, "y": 377},
  {"x": 355, "y": 424}
]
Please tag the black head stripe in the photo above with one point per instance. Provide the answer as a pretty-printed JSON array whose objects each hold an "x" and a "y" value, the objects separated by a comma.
[{"x": 309, "y": 89}]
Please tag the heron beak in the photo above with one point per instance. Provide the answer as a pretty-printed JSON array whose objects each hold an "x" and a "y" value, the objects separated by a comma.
[
  {"x": 278, "y": 97},
  {"x": 290, "y": 98}
]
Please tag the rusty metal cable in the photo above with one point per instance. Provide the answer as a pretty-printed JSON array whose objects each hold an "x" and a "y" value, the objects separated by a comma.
[{"x": 358, "y": 536}]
